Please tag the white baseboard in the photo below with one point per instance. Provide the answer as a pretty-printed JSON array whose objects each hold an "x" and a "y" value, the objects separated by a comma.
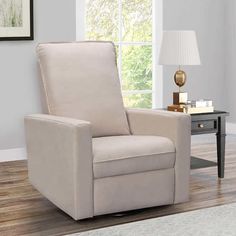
[
  {"x": 230, "y": 128},
  {"x": 14, "y": 154}
]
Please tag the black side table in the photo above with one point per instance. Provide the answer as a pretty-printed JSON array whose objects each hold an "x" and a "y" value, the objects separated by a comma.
[{"x": 213, "y": 122}]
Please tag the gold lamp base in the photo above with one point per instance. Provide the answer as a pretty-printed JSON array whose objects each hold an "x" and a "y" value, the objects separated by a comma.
[
  {"x": 180, "y": 78},
  {"x": 179, "y": 98}
]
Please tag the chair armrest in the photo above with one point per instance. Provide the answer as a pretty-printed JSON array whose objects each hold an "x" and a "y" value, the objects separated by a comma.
[
  {"x": 175, "y": 126},
  {"x": 60, "y": 162}
]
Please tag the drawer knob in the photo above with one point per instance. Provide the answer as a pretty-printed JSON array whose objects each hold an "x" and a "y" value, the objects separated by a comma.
[{"x": 201, "y": 126}]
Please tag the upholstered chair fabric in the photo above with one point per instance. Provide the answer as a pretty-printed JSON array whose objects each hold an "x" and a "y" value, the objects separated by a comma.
[
  {"x": 173, "y": 125},
  {"x": 59, "y": 152},
  {"x": 121, "y": 155},
  {"x": 81, "y": 81},
  {"x": 90, "y": 156}
]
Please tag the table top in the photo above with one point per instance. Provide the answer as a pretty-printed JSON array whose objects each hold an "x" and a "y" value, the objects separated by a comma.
[{"x": 215, "y": 112}]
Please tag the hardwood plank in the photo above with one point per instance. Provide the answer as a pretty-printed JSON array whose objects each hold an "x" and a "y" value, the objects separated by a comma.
[{"x": 24, "y": 211}]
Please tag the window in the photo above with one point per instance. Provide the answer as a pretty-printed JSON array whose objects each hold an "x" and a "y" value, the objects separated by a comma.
[{"x": 131, "y": 25}]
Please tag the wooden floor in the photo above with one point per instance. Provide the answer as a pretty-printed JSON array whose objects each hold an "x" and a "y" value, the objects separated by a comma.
[{"x": 23, "y": 211}]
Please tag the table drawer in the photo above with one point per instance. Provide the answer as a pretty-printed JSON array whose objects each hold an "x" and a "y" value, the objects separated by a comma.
[{"x": 202, "y": 126}]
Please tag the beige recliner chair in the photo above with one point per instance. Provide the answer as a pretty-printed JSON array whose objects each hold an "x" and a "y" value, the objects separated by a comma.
[{"x": 91, "y": 156}]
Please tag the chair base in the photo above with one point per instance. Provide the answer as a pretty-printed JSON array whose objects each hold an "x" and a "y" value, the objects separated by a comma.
[{"x": 135, "y": 191}]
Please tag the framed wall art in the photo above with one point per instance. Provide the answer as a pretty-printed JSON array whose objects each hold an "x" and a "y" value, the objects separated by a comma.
[{"x": 16, "y": 20}]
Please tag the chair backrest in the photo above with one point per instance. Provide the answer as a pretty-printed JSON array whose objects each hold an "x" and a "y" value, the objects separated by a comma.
[{"x": 81, "y": 81}]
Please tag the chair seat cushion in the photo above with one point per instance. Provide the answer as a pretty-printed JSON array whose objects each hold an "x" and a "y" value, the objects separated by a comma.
[{"x": 120, "y": 155}]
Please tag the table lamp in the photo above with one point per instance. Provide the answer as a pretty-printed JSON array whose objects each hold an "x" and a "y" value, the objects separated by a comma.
[{"x": 179, "y": 48}]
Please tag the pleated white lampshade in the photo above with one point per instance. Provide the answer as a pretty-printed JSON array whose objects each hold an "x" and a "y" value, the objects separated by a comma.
[{"x": 179, "y": 48}]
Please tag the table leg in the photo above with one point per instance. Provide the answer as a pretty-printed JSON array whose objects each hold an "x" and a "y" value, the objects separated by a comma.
[{"x": 220, "y": 138}]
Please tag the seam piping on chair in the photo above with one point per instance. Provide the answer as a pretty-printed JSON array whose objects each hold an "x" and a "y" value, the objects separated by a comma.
[
  {"x": 78, "y": 42},
  {"x": 56, "y": 121},
  {"x": 75, "y": 168},
  {"x": 174, "y": 192},
  {"x": 45, "y": 87},
  {"x": 132, "y": 157},
  {"x": 93, "y": 207},
  {"x": 154, "y": 170}
]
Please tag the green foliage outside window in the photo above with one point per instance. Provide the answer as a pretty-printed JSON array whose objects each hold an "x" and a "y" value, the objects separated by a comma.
[
  {"x": 137, "y": 20},
  {"x": 102, "y": 20},
  {"x": 102, "y": 23},
  {"x": 137, "y": 74},
  {"x": 138, "y": 100}
]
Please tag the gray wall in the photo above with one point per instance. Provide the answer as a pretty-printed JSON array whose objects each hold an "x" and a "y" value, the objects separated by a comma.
[
  {"x": 206, "y": 17},
  {"x": 56, "y": 21},
  {"x": 19, "y": 94},
  {"x": 230, "y": 59}
]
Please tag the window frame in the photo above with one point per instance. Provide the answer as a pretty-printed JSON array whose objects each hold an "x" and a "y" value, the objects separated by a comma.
[{"x": 157, "y": 29}]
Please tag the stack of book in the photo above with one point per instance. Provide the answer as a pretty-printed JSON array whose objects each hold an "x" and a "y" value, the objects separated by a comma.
[
  {"x": 193, "y": 107},
  {"x": 199, "y": 106}
]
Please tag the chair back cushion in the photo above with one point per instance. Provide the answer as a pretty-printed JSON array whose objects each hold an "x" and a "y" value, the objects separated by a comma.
[{"x": 81, "y": 81}]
